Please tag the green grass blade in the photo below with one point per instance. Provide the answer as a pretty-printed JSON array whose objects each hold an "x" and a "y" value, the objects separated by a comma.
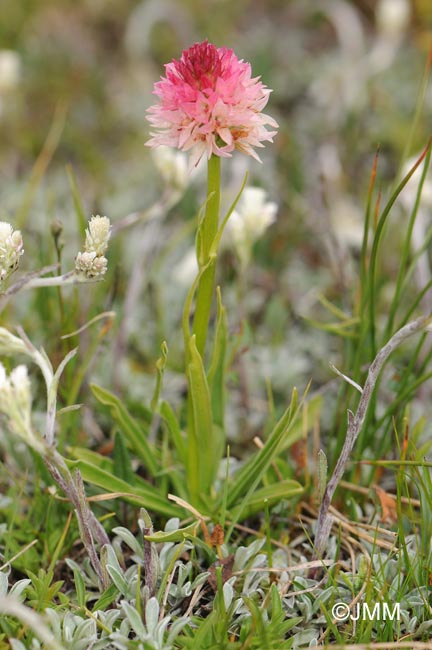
[
  {"x": 406, "y": 251},
  {"x": 202, "y": 451},
  {"x": 248, "y": 477},
  {"x": 122, "y": 462},
  {"x": 144, "y": 496},
  {"x": 270, "y": 494},
  {"x": 79, "y": 209},
  {"x": 174, "y": 430},
  {"x": 134, "y": 433},
  {"x": 216, "y": 374},
  {"x": 160, "y": 368},
  {"x": 376, "y": 244}
]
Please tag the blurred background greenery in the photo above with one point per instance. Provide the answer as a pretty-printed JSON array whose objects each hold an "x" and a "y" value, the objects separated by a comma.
[{"x": 76, "y": 78}]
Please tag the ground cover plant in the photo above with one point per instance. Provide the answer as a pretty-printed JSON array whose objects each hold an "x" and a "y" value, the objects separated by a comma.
[{"x": 215, "y": 400}]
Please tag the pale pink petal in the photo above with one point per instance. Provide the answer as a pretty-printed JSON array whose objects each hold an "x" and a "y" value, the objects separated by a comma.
[{"x": 210, "y": 104}]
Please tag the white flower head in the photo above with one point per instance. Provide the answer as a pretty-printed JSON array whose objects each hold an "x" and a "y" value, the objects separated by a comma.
[
  {"x": 90, "y": 264},
  {"x": 11, "y": 249},
  {"x": 97, "y": 235},
  {"x": 254, "y": 214},
  {"x": 10, "y": 65},
  {"x": 393, "y": 16},
  {"x": 172, "y": 166}
]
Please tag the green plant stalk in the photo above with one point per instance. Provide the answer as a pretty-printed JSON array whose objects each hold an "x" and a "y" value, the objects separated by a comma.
[{"x": 206, "y": 234}]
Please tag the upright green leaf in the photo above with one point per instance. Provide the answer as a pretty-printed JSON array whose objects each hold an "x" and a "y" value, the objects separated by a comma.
[
  {"x": 174, "y": 430},
  {"x": 160, "y": 368},
  {"x": 216, "y": 374},
  {"x": 202, "y": 451},
  {"x": 122, "y": 462},
  {"x": 142, "y": 494},
  {"x": 249, "y": 476},
  {"x": 134, "y": 433}
]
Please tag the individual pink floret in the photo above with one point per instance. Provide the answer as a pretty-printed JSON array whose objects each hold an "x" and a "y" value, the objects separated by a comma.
[{"x": 210, "y": 104}]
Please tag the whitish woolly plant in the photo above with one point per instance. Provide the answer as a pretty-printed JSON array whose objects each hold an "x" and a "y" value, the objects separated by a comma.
[
  {"x": 90, "y": 264},
  {"x": 253, "y": 215},
  {"x": 15, "y": 389},
  {"x": 11, "y": 249},
  {"x": 15, "y": 407}
]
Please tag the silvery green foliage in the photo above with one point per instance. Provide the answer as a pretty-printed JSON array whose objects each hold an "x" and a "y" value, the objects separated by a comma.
[
  {"x": 124, "y": 580},
  {"x": 154, "y": 632},
  {"x": 17, "y": 588},
  {"x": 72, "y": 630},
  {"x": 126, "y": 624}
]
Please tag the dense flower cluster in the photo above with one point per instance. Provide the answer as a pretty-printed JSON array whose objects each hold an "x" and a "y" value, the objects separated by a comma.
[
  {"x": 210, "y": 104},
  {"x": 92, "y": 262},
  {"x": 11, "y": 249}
]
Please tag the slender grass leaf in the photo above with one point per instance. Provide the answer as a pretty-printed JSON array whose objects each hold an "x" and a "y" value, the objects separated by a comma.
[
  {"x": 145, "y": 496},
  {"x": 270, "y": 494},
  {"x": 216, "y": 374},
  {"x": 79, "y": 209},
  {"x": 248, "y": 477},
  {"x": 122, "y": 462},
  {"x": 322, "y": 474},
  {"x": 106, "y": 599},
  {"x": 160, "y": 368},
  {"x": 174, "y": 430},
  {"x": 203, "y": 460},
  {"x": 135, "y": 434},
  {"x": 174, "y": 536},
  {"x": 79, "y": 588}
]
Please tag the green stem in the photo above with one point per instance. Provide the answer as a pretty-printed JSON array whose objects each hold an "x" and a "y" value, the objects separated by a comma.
[{"x": 207, "y": 232}]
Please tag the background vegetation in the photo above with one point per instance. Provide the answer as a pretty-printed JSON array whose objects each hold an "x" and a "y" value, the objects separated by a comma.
[{"x": 347, "y": 77}]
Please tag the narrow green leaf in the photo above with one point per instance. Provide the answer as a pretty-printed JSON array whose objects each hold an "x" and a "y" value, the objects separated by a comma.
[
  {"x": 216, "y": 374},
  {"x": 122, "y": 462},
  {"x": 160, "y": 368},
  {"x": 174, "y": 536},
  {"x": 145, "y": 496},
  {"x": 80, "y": 588},
  {"x": 270, "y": 494},
  {"x": 79, "y": 210},
  {"x": 106, "y": 599},
  {"x": 174, "y": 430},
  {"x": 373, "y": 262},
  {"x": 135, "y": 434},
  {"x": 201, "y": 453},
  {"x": 406, "y": 253},
  {"x": 248, "y": 477},
  {"x": 322, "y": 474}
]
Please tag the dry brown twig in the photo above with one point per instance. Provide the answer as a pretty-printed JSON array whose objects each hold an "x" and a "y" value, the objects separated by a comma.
[{"x": 355, "y": 424}]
